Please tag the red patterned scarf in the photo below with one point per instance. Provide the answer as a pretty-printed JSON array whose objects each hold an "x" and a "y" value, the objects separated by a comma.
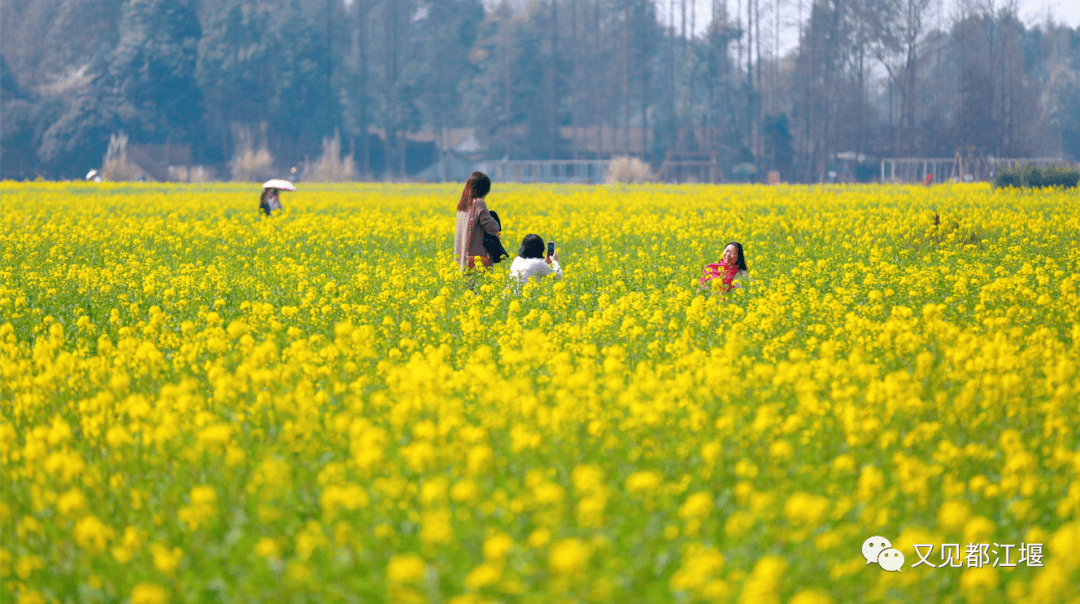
[{"x": 724, "y": 271}]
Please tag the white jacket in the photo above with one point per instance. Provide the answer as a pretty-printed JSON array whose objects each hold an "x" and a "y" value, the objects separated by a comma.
[{"x": 523, "y": 269}]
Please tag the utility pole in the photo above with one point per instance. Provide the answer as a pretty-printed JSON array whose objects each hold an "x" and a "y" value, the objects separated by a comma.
[
  {"x": 600, "y": 117},
  {"x": 553, "y": 110},
  {"x": 776, "y": 60},
  {"x": 684, "y": 81},
  {"x": 392, "y": 77},
  {"x": 626, "y": 76},
  {"x": 504, "y": 35},
  {"x": 751, "y": 112},
  {"x": 673, "y": 95},
  {"x": 644, "y": 92},
  {"x": 690, "y": 70},
  {"x": 362, "y": 62},
  {"x": 575, "y": 50},
  {"x": 758, "y": 150},
  {"x": 738, "y": 46}
]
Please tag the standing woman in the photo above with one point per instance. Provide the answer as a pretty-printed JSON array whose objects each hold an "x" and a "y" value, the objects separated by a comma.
[
  {"x": 269, "y": 201},
  {"x": 473, "y": 220}
]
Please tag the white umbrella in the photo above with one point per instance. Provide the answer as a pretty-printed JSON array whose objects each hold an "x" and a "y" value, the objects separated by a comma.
[{"x": 277, "y": 183}]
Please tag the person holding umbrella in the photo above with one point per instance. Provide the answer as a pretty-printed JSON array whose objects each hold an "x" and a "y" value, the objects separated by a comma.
[{"x": 270, "y": 201}]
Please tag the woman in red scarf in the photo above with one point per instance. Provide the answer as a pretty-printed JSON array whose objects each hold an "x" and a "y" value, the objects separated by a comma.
[{"x": 732, "y": 266}]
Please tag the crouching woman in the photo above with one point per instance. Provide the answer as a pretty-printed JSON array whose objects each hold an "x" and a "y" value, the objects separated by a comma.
[{"x": 533, "y": 262}]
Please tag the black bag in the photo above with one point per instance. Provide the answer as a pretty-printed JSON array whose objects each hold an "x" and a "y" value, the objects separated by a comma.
[{"x": 493, "y": 244}]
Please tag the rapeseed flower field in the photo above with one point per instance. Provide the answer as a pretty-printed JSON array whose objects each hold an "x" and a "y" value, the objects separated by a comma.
[{"x": 201, "y": 404}]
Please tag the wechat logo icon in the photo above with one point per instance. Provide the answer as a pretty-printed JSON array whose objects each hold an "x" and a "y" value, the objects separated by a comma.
[{"x": 879, "y": 550}]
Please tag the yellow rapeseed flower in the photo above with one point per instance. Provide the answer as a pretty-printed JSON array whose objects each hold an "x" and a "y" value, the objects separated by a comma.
[
  {"x": 149, "y": 593},
  {"x": 328, "y": 389},
  {"x": 569, "y": 556},
  {"x": 405, "y": 568}
]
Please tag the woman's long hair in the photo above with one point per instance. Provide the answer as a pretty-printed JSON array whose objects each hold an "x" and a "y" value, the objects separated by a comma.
[
  {"x": 477, "y": 186},
  {"x": 740, "y": 263}
]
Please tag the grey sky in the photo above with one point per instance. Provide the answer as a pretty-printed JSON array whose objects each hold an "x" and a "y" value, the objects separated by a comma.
[{"x": 791, "y": 12}]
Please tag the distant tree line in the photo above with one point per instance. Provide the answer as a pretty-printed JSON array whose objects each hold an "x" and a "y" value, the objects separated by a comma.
[{"x": 867, "y": 78}]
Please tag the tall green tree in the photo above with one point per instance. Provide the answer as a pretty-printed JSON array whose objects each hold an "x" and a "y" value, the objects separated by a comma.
[
  {"x": 18, "y": 119},
  {"x": 305, "y": 105},
  {"x": 272, "y": 62},
  {"x": 43, "y": 40},
  {"x": 531, "y": 58},
  {"x": 58, "y": 52},
  {"x": 1061, "y": 91},
  {"x": 820, "y": 61},
  {"x": 153, "y": 68},
  {"x": 443, "y": 68},
  {"x": 398, "y": 110},
  {"x": 235, "y": 70},
  {"x": 356, "y": 90},
  {"x": 644, "y": 36}
]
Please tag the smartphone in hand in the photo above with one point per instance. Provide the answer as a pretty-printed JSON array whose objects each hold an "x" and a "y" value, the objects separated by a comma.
[{"x": 551, "y": 249}]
